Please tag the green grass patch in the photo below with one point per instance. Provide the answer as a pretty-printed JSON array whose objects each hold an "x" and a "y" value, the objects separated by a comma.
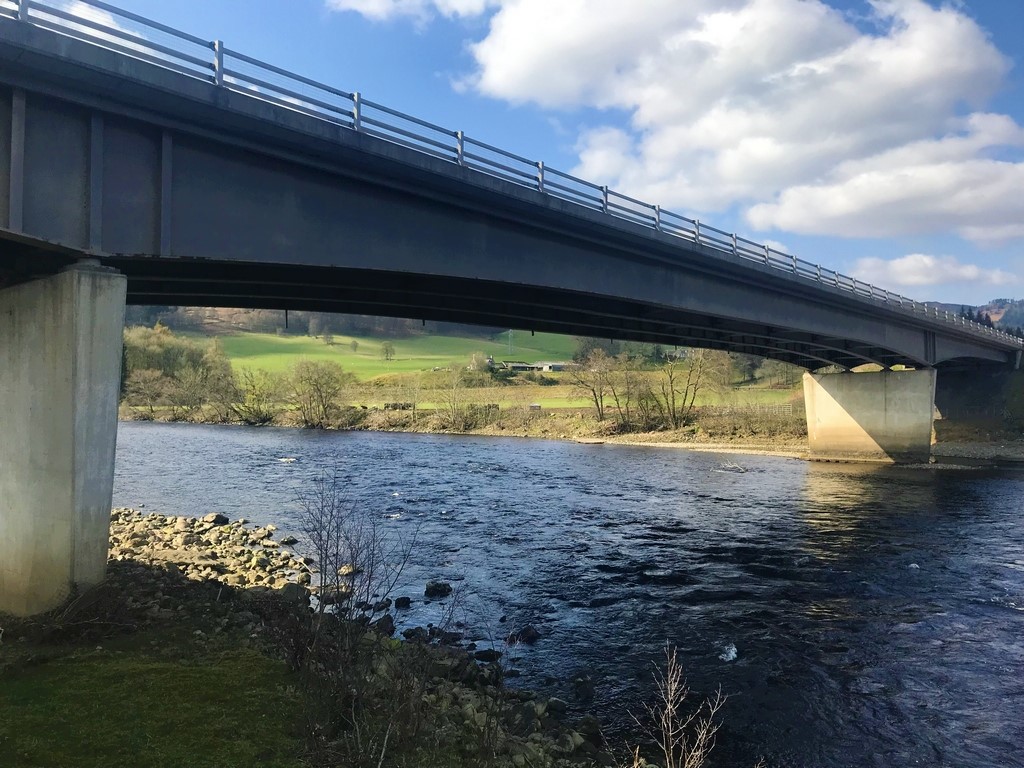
[
  {"x": 278, "y": 353},
  {"x": 132, "y": 709}
]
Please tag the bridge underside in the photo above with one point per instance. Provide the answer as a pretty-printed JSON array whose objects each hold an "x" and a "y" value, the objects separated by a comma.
[{"x": 208, "y": 283}]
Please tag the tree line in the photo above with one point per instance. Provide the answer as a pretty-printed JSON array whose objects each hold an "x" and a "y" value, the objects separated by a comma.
[
  {"x": 640, "y": 388},
  {"x": 187, "y": 378},
  {"x": 642, "y": 392}
]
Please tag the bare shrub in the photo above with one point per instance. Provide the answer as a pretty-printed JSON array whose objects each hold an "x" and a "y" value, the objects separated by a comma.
[
  {"x": 685, "y": 739},
  {"x": 350, "y": 673}
]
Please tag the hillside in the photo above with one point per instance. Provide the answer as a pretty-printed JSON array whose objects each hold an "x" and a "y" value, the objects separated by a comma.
[{"x": 1006, "y": 314}]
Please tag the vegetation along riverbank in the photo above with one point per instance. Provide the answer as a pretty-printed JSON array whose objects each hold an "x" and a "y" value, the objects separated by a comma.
[
  {"x": 210, "y": 644},
  {"x": 598, "y": 392}
]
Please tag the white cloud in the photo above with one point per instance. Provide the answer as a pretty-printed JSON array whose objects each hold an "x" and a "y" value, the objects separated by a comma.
[
  {"x": 917, "y": 269},
  {"x": 420, "y": 10},
  {"x": 948, "y": 184},
  {"x": 805, "y": 118}
]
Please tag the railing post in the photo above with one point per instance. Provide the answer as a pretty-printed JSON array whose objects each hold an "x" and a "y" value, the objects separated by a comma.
[
  {"x": 218, "y": 62},
  {"x": 356, "y": 112},
  {"x": 657, "y": 217},
  {"x": 460, "y": 148},
  {"x": 604, "y": 198},
  {"x": 735, "y": 245},
  {"x": 696, "y": 231},
  {"x": 767, "y": 255},
  {"x": 23, "y": 10},
  {"x": 540, "y": 175},
  {"x": 818, "y": 278},
  {"x": 796, "y": 270}
]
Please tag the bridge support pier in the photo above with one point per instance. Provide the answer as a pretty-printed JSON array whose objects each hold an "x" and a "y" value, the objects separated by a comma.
[
  {"x": 60, "y": 363},
  {"x": 884, "y": 416}
]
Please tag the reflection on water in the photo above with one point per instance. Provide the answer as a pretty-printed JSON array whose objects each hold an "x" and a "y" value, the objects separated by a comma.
[{"x": 857, "y": 615}]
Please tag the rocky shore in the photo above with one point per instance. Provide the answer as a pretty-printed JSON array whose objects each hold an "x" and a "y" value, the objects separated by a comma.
[{"x": 243, "y": 577}]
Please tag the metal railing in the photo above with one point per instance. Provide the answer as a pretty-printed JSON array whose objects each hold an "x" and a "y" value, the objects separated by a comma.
[{"x": 133, "y": 35}]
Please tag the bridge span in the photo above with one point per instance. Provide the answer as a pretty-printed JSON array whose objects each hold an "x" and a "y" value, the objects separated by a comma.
[{"x": 182, "y": 172}]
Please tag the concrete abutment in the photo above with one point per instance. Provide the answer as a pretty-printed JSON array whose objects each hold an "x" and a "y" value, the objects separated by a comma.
[
  {"x": 60, "y": 364},
  {"x": 884, "y": 416}
]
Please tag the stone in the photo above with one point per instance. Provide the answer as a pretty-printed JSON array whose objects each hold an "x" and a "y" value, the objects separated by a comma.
[
  {"x": 564, "y": 744},
  {"x": 382, "y": 605},
  {"x": 385, "y": 625},
  {"x": 589, "y": 727},
  {"x": 557, "y": 705},
  {"x": 215, "y": 518},
  {"x": 436, "y": 589},
  {"x": 415, "y": 634},
  {"x": 294, "y": 593},
  {"x": 583, "y": 688},
  {"x": 528, "y": 635},
  {"x": 289, "y": 541},
  {"x": 333, "y": 596},
  {"x": 403, "y": 602},
  {"x": 487, "y": 655}
]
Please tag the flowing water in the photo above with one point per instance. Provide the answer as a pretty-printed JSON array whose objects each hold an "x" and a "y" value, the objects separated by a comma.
[{"x": 855, "y": 616}]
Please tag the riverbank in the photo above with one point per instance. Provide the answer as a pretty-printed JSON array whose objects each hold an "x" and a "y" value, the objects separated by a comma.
[
  {"x": 193, "y": 653},
  {"x": 750, "y": 433}
]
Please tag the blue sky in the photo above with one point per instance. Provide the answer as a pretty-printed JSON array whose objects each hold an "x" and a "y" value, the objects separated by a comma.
[{"x": 882, "y": 138}]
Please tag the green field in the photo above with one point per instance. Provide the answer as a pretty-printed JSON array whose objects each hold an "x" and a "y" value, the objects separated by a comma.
[{"x": 421, "y": 353}]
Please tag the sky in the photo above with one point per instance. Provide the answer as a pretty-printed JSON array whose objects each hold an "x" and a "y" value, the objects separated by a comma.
[{"x": 880, "y": 138}]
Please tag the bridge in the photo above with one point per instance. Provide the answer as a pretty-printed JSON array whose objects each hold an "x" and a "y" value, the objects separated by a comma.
[{"x": 142, "y": 164}]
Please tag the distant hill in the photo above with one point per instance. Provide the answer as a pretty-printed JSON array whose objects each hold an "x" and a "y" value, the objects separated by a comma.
[{"x": 1006, "y": 314}]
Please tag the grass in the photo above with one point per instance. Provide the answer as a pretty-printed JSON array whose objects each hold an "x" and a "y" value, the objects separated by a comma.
[
  {"x": 135, "y": 709},
  {"x": 277, "y": 353}
]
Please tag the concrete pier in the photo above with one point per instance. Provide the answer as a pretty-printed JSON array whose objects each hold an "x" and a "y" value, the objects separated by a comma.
[
  {"x": 60, "y": 362},
  {"x": 884, "y": 416}
]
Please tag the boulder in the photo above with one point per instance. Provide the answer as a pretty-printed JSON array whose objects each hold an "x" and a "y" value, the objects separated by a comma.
[
  {"x": 528, "y": 635},
  {"x": 436, "y": 589},
  {"x": 487, "y": 655},
  {"x": 583, "y": 688},
  {"x": 215, "y": 518},
  {"x": 403, "y": 602},
  {"x": 294, "y": 593},
  {"x": 385, "y": 625},
  {"x": 415, "y": 634}
]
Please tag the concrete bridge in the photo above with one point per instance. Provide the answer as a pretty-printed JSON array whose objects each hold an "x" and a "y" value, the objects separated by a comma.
[{"x": 187, "y": 173}]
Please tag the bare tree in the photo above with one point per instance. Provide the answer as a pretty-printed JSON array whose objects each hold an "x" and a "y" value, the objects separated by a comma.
[
  {"x": 188, "y": 391},
  {"x": 453, "y": 399},
  {"x": 147, "y": 387},
  {"x": 701, "y": 372},
  {"x": 316, "y": 391},
  {"x": 631, "y": 391},
  {"x": 592, "y": 379},
  {"x": 258, "y": 397}
]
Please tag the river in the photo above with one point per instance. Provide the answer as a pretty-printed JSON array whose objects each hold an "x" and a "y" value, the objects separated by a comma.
[{"x": 855, "y": 616}]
